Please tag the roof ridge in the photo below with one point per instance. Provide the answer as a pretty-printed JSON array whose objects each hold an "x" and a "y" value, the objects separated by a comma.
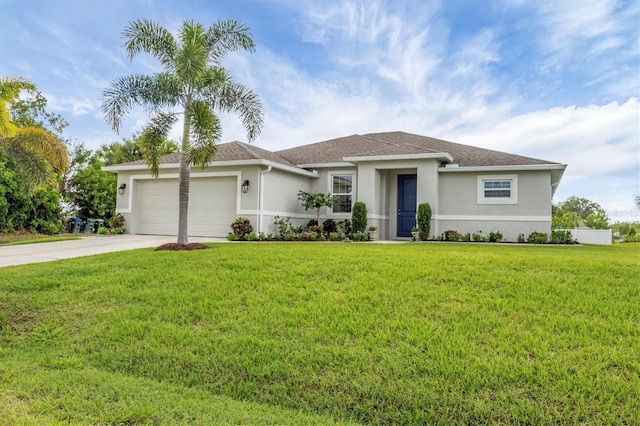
[
  {"x": 248, "y": 149},
  {"x": 396, "y": 144}
]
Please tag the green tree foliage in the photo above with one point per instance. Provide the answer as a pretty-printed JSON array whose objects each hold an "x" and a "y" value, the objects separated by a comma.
[
  {"x": 193, "y": 84},
  {"x": 38, "y": 211},
  {"x": 37, "y": 153},
  {"x": 582, "y": 208},
  {"x": 424, "y": 221},
  {"x": 91, "y": 190},
  {"x": 359, "y": 216},
  {"x": 565, "y": 220},
  {"x": 316, "y": 201},
  {"x": 597, "y": 220},
  {"x": 131, "y": 150}
]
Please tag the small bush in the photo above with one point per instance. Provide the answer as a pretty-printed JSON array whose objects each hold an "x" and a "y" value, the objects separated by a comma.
[
  {"x": 232, "y": 237},
  {"x": 424, "y": 221},
  {"x": 102, "y": 230},
  {"x": 283, "y": 224},
  {"x": 452, "y": 235},
  {"x": 495, "y": 237},
  {"x": 538, "y": 238},
  {"x": 312, "y": 223},
  {"x": 359, "y": 216},
  {"x": 241, "y": 227},
  {"x": 251, "y": 236},
  {"x": 359, "y": 236},
  {"x": 334, "y": 236},
  {"x": 344, "y": 226},
  {"x": 116, "y": 221},
  {"x": 521, "y": 238},
  {"x": 330, "y": 226},
  {"x": 561, "y": 237}
]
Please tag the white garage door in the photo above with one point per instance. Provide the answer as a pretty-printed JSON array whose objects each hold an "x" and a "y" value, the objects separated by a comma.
[{"x": 212, "y": 206}]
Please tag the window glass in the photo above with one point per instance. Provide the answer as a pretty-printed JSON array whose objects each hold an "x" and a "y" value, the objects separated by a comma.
[
  {"x": 343, "y": 188},
  {"x": 497, "y": 189}
]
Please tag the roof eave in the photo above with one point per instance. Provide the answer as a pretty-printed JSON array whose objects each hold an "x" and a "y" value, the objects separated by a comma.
[
  {"x": 442, "y": 156},
  {"x": 228, "y": 163},
  {"x": 523, "y": 167}
]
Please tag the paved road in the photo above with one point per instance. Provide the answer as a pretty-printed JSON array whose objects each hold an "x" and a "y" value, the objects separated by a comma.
[{"x": 85, "y": 246}]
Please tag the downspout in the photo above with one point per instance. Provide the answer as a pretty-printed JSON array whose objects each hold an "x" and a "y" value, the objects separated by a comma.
[{"x": 261, "y": 200}]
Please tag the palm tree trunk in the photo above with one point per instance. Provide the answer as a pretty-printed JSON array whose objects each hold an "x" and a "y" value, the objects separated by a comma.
[
  {"x": 183, "y": 206},
  {"x": 183, "y": 185}
]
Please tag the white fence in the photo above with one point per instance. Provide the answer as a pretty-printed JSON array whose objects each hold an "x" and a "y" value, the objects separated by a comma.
[{"x": 591, "y": 236}]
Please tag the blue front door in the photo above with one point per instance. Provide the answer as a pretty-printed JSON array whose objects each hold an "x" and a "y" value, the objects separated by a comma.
[{"x": 406, "y": 204}]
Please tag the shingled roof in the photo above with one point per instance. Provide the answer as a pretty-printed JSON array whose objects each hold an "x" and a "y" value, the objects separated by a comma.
[
  {"x": 401, "y": 143},
  {"x": 370, "y": 144},
  {"x": 232, "y": 151}
]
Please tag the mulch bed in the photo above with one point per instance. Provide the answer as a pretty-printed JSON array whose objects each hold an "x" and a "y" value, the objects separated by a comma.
[{"x": 177, "y": 247}]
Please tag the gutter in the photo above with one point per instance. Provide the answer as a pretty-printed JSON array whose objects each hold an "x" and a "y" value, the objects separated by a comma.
[{"x": 261, "y": 198}]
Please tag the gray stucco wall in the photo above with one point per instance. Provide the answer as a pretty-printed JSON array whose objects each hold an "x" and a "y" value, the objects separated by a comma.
[{"x": 460, "y": 210}]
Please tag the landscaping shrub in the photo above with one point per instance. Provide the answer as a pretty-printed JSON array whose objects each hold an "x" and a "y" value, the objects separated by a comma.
[
  {"x": 102, "y": 230},
  {"x": 538, "y": 238},
  {"x": 359, "y": 216},
  {"x": 452, "y": 235},
  {"x": 344, "y": 226},
  {"x": 561, "y": 237},
  {"x": 283, "y": 224},
  {"x": 241, "y": 227},
  {"x": 359, "y": 236},
  {"x": 312, "y": 223},
  {"x": 495, "y": 237},
  {"x": 424, "y": 221},
  {"x": 329, "y": 226}
]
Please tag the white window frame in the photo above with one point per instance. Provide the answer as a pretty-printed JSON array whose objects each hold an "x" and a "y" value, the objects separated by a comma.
[
  {"x": 513, "y": 199},
  {"x": 352, "y": 193}
]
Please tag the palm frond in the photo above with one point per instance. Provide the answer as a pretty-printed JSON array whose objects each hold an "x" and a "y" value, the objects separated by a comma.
[
  {"x": 234, "y": 97},
  {"x": 150, "y": 92},
  {"x": 191, "y": 58},
  {"x": 144, "y": 35},
  {"x": 205, "y": 132},
  {"x": 34, "y": 169},
  {"x": 227, "y": 36},
  {"x": 10, "y": 88},
  {"x": 152, "y": 140}
]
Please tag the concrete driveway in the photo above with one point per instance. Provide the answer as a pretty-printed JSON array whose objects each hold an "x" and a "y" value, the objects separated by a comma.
[{"x": 84, "y": 246}]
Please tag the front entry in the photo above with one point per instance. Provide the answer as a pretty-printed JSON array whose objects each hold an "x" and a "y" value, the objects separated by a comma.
[{"x": 407, "y": 185}]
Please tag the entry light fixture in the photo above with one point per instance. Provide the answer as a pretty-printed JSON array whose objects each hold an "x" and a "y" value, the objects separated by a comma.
[
  {"x": 121, "y": 188},
  {"x": 245, "y": 186}
]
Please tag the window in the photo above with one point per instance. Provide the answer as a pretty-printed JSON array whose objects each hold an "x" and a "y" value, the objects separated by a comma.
[
  {"x": 498, "y": 189},
  {"x": 342, "y": 186}
]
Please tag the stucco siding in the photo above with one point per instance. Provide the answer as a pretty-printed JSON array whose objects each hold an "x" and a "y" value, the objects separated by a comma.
[{"x": 460, "y": 209}]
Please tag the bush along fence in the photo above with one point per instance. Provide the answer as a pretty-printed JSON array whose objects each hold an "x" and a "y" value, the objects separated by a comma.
[{"x": 556, "y": 237}]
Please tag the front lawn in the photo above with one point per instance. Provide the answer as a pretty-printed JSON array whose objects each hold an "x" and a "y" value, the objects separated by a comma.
[
  {"x": 32, "y": 238},
  {"x": 295, "y": 333}
]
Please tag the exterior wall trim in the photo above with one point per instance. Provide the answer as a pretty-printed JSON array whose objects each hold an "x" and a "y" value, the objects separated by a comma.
[
  {"x": 444, "y": 156},
  {"x": 493, "y": 218}
]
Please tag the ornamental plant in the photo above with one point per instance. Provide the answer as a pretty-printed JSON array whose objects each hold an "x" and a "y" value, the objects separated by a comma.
[
  {"x": 316, "y": 200},
  {"x": 424, "y": 221},
  {"x": 359, "y": 216},
  {"x": 241, "y": 227}
]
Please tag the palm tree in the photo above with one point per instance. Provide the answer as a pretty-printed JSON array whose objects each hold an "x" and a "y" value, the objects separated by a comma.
[
  {"x": 36, "y": 153},
  {"x": 192, "y": 81}
]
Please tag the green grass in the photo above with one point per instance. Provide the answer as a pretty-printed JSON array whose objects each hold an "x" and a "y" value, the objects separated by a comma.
[
  {"x": 280, "y": 333},
  {"x": 29, "y": 238}
]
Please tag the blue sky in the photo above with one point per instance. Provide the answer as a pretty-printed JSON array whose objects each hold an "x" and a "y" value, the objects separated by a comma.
[{"x": 557, "y": 80}]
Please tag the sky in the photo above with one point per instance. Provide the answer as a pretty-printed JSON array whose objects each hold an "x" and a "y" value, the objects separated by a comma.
[{"x": 556, "y": 79}]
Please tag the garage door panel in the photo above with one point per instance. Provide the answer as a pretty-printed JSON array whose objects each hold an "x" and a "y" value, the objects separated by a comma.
[{"x": 212, "y": 206}]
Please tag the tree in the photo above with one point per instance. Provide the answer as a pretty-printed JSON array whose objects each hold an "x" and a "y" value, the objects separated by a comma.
[
  {"x": 192, "y": 84},
  {"x": 582, "y": 208},
  {"x": 316, "y": 200},
  {"x": 91, "y": 190},
  {"x": 597, "y": 220},
  {"x": 131, "y": 150},
  {"x": 37, "y": 154}
]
